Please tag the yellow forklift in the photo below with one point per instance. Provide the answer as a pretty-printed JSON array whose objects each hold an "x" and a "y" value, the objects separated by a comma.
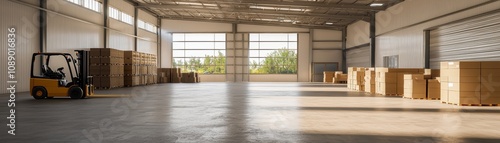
[{"x": 46, "y": 83}]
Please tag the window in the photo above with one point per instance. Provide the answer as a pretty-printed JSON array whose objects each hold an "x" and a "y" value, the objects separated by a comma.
[
  {"x": 391, "y": 61},
  {"x": 89, "y": 4},
  {"x": 274, "y": 53},
  {"x": 120, "y": 16},
  {"x": 204, "y": 53},
  {"x": 146, "y": 26}
]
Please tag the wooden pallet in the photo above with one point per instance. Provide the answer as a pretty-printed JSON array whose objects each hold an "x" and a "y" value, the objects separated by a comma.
[
  {"x": 415, "y": 98},
  {"x": 470, "y": 104}
]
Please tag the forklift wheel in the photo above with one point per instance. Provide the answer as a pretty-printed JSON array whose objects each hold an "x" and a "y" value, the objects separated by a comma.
[
  {"x": 39, "y": 92},
  {"x": 75, "y": 92}
]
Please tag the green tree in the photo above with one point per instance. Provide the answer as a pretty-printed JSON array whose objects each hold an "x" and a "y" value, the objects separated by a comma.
[
  {"x": 282, "y": 61},
  {"x": 210, "y": 64}
]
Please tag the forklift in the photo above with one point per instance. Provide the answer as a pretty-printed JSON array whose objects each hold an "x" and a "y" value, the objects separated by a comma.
[{"x": 47, "y": 83}]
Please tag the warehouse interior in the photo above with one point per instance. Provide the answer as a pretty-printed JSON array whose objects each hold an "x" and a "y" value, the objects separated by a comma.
[{"x": 255, "y": 70}]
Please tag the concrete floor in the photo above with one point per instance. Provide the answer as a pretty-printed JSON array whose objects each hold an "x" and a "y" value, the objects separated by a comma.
[{"x": 246, "y": 112}]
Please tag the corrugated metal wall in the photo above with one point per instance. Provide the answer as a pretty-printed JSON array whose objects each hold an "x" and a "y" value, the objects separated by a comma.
[
  {"x": 359, "y": 57},
  {"x": 24, "y": 19},
  {"x": 408, "y": 42},
  {"x": 476, "y": 39}
]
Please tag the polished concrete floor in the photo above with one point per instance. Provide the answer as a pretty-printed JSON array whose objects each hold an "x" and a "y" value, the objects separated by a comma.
[{"x": 246, "y": 112}]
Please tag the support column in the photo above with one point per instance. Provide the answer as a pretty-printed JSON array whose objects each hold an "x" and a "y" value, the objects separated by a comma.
[
  {"x": 234, "y": 51},
  {"x": 372, "y": 39},
  {"x": 105, "y": 8},
  {"x": 43, "y": 26},
  {"x": 135, "y": 27},
  {"x": 344, "y": 50},
  {"x": 42, "y": 29},
  {"x": 311, "y": 38},
  {"x": 427, "y": 49},
  {"x": 158, "y": 42}
]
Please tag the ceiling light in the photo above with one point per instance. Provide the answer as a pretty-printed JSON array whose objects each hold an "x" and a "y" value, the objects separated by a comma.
[
  {"x": 329, "y": 23},
  {"x": 376, "y": 4}
]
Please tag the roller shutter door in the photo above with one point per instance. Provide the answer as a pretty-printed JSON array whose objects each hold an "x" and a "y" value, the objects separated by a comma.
[
  {"x": 475, "y": 39},
  {"x": 359, "y": 57}
]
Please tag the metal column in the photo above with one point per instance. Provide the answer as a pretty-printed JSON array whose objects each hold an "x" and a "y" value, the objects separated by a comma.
[
  {"x": 158, "y": 42},
  {"x": 135, "y": 27},
  {"x": 106, "y": 21},
  {"x": 344, "y": 50},
  {"x": 372, "y": 39},
  {"x": 427, "y": 50},
  {"x": 43, "y": 29}
]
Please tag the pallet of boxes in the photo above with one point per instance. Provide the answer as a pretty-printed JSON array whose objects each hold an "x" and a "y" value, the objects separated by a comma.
[
  {"x": 131, "y": 66},
  {"x": 390, "y": 81},
  {"x": 467, "y": 83},
  {"x": 339, "y": 77},
  {"x": 169, "y": 75},
  {"x": 106, "y": 67},
  {"x": 190, "y": 77},
  {"x": 369, "y": 85},
  {"x": 328, "y": 76},
  {"x": 151, "y": 69},
  {"x": 356, "y": 78},
  {"x": 422, "y": 86}
]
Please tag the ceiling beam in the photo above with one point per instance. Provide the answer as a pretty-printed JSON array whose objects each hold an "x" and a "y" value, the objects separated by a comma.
[
  {"x": 240, "y": 21},
  {"x": 294, "y": 4},
  {"x": 263, "y": 12}
]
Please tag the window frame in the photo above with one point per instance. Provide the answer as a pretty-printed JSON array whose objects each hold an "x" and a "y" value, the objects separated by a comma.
[
  {"x": 259, "y": 49},
  {"x": 214, "y": 49},
  {"x": 82, "y": 3}
]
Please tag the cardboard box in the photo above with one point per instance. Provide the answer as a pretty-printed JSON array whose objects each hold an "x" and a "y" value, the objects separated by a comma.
[
  {"x": 464, "y": 65},
  {"x": 444, "y": 95},
  {"x": 413, "y": 77},
  {"x": 95, "y": 52},
  {"x": 431, "y": 73},
  {"x": 463, "y": 97},
  {"x": 463, "y": 87},
  {"x": 433, "y": 89},
  {"x": 490, "y": 65}
]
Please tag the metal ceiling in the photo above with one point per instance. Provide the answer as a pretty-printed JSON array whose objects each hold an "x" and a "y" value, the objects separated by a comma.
[{"x": 321, "y": 14}]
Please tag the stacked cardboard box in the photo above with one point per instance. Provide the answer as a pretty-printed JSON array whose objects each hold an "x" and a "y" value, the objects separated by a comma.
[
  {"x": 106, "y": 67},
  {"x": 164, "y": 75},
  {"x": 415, "y": 86},
  {"x": 176, "y": 75},
  {"x": 433, "y": 89},
  {"x": 359, "y": 79},
  {"x": 370, "y": 81},
  {"x": 356, "y": 78},
  {"x": 390, "y": 82},
  {"x": 339, "y": 77},
  {"x": 470, "y": 83},
  {"x": 190, "y": 77},
  {"x": 463, "y": 82},
  {"x": 328, "y": 76},
  {"x": 490, "y": 82},
  {"x": 170, "y": 75},
  {"x": 151, "y": 73},
  {"x": 132, "y": 62}
]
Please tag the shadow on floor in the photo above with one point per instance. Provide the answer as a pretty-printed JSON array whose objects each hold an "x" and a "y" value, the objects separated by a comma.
[{"x": 389, "y": 139}]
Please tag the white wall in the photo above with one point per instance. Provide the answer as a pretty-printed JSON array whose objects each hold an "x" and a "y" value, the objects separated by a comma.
[
  {"x": 326, "y": 38},
  {"x": 25, "y": 20},
  {"x": 358, "y": 33},
  {"x": 408, "y": 42},
  {"x": 327, "y": 46}
]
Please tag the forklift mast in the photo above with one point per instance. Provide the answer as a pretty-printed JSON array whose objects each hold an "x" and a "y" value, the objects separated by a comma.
[{"x": 83, "y": 69}]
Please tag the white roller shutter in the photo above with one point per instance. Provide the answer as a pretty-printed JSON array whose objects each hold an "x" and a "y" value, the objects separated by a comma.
[
  {"x": 359, "y": 57},
  {"x": 476, "y": 39}
]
